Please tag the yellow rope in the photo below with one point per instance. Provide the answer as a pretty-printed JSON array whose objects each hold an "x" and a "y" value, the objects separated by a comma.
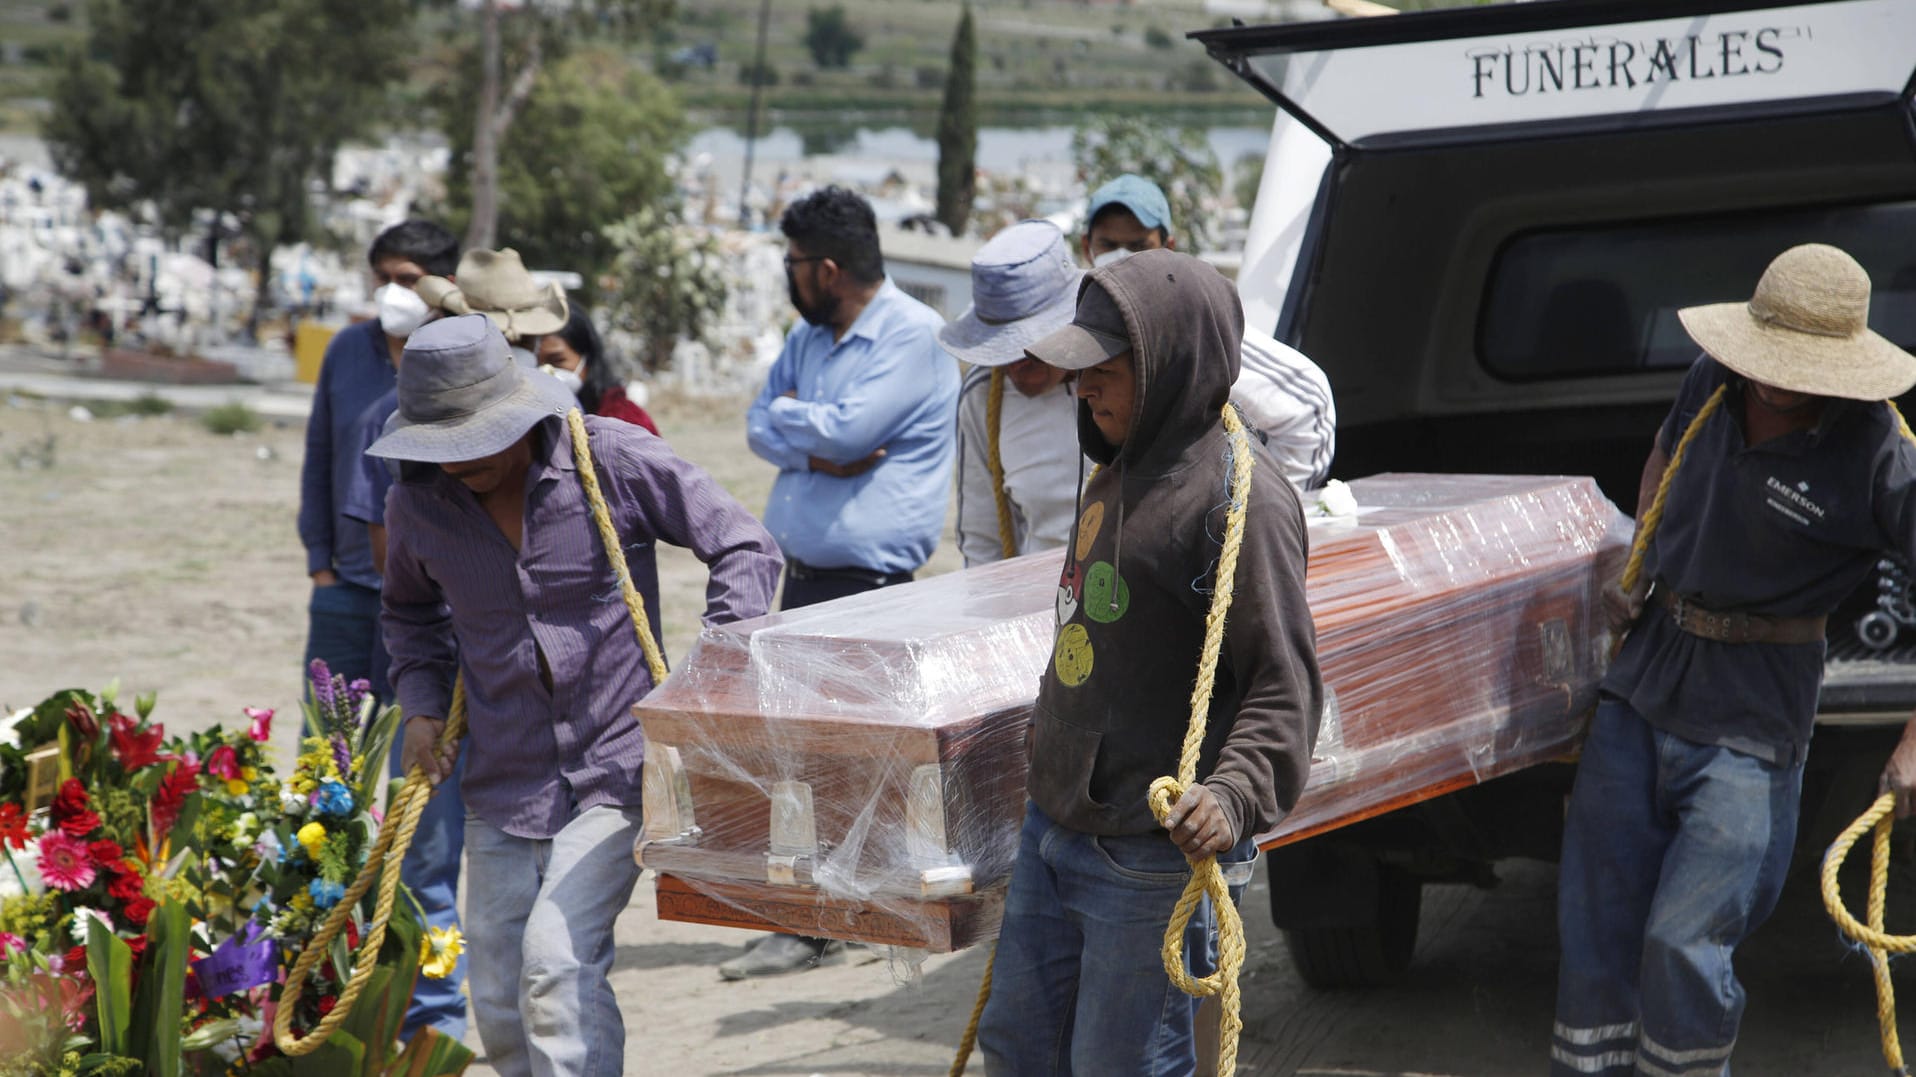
[
  {"x": 402, "y": 817},
  {"x": 1206, "y": 878},
  {"x": 1880, "y": 816},
  {"x": 994, "y": 419},
  {"x": 1647, "y": 527}
]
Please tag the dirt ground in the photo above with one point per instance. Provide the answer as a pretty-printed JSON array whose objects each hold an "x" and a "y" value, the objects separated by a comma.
[{"x": 151, "y": 550}]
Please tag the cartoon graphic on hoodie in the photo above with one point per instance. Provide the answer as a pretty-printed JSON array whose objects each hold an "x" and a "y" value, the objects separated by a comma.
[{"x": 1114, "y": 704}]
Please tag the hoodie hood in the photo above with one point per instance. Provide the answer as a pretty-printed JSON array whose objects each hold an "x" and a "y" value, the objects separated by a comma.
[{"x": 1186, "y": 327}]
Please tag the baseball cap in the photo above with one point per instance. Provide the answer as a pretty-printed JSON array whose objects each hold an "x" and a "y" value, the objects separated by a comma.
[
  {"x": 1096, "y": 333},
  {"x": 1135, "y": 193}
]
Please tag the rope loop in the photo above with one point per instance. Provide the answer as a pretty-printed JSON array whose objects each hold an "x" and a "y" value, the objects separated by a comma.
[
  {"x": 994, "y": 462},
  {"x": 402, "y": 816}
]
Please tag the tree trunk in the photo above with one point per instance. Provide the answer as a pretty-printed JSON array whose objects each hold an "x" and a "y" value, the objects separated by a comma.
[
  {"x": 262, "y": 288},
  {"x": 485, "y": 145}
]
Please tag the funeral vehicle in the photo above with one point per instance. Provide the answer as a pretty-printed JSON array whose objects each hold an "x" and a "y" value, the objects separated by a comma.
[{"x": 1481, "y": 223}]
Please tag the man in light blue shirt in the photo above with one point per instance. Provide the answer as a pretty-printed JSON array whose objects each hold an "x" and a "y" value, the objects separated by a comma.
[{"x": 859, "y": 413}]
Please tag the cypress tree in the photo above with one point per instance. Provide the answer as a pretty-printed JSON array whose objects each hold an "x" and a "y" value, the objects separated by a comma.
[{"x": 958, "y": 131}]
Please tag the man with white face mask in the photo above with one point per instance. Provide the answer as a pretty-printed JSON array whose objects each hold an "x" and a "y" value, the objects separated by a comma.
[
  {"x": 1280, "y": 391},
  {"x": 359, "y": 369}
]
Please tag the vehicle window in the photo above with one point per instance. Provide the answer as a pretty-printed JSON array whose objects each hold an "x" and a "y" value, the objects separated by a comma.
[{"x": 1604, "y": 300}]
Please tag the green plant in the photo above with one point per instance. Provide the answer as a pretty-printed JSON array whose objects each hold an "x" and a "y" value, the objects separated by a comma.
[
  {"x": 232, "y": 417},
  {"x": 830, "y": 37},
  {"x": 149, "y": 403},
  {"x": 958, "y": 130},
  {"x": 1155, "y": 37}
]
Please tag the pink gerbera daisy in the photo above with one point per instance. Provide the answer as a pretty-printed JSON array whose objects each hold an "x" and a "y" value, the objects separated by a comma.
[{"x": 65, "y": 862}]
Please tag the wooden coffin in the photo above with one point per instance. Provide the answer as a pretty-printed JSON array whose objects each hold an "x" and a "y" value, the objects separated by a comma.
[{"x": 856, "y": 769}]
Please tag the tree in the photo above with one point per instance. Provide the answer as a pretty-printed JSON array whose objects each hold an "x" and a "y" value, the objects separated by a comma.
[
  {"x": 666, "y": 281},
  {"x": 590, "y": 143},
  {"x": 1179, "y": 161},
  {"x": 958, "y": 131},
  {"x": 541, "y": 31},
  {"x": 207, "y": 110},
  {"x": 830, "y": 36}
]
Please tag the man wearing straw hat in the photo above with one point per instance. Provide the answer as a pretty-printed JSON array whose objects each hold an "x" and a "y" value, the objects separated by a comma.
[
  {"x": 1772, "y": 488},
  {"x": 495, "y": 571},
  {"x": 1020, "y": 446}
]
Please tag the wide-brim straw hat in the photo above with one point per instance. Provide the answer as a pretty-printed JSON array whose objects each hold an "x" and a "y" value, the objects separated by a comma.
[
  {"x": 462, "y": 396},
  {"x": 1806, "y": 330},
  {"x": 497, "y": 285},
  {"x": 1023, "y": 287}
]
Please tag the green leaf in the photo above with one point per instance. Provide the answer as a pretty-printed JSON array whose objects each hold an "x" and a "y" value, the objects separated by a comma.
[
  {"x": 375, "y": 744},
  {"x": 342, "y": 1055},
  {"x": 431, "y": 1053},
  {"x": 211, "y": 1033},
  {"x": 109, "y": 961},
  {"x": 154, "y": 1031}
]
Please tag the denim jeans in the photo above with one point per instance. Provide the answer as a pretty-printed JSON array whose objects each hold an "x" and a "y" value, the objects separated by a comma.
[
  {"x": 1673, "y": 853},
  {"x": 1078, "y": 984},
  {"x": 343, "y": 629},
  {"x": 431, "y": 872},
  {"x": 539, "y": 915}
]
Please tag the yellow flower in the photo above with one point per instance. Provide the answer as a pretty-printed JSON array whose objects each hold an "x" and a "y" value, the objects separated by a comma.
[
  {"x": 236, "y": 787},
  {"x": 312, "y": 836},
  {"x": 302, "y": 902},
  {"x": 251, "y": 774},
  {"x": 439, "y": 952}
]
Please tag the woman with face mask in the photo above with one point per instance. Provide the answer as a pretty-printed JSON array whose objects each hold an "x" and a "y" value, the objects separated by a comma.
[{"x": 576, "y": 356}]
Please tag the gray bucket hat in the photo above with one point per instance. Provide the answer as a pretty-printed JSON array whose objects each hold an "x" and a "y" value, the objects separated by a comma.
[
  {"x": 462, "y": 397},
  {"x": 1023, "y": 286}
]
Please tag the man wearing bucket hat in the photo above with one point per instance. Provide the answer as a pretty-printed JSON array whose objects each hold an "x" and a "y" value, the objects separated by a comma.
[
  {"x": 497, "y": 284},
  {"x": 1279, "y": 390},
  {"x": 1775, "y": 484},
  {"x": 1018, "y": 461},
  {"x": 494, "y": 570}
]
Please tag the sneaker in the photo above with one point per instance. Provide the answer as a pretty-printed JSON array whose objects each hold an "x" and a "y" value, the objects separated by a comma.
[{"x": 778, "y": 954}]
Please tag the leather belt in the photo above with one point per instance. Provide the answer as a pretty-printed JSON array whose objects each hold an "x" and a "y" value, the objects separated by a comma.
[
  {"x": 799, "y": 570},
  {"x": 1739, "y": 626}
]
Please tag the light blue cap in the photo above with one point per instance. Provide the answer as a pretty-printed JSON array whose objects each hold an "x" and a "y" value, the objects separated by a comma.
[{"x": 1135, "y": 193}]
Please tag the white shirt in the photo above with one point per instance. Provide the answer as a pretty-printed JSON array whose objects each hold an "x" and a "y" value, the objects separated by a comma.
[
  {"x": 1286, "y": 396},
  {"x": 1038, "y": 446}
]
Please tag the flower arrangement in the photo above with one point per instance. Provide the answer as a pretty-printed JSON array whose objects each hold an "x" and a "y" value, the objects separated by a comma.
[{"x": 152, "y": 896}]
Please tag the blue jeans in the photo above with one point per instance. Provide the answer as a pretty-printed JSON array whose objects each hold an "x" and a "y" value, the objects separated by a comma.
[
  {"x": 1673, "y": 853},
  {"x": 343, "y": 629},
  {"x": 1078, "y": 984},
  {"x": 540, "y": 914}
]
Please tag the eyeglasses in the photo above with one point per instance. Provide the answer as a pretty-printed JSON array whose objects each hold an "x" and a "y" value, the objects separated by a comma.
[{"x": 791, "y": 261}]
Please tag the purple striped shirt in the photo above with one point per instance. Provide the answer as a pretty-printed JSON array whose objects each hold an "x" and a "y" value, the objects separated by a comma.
[{"x": 537, "y": 755}]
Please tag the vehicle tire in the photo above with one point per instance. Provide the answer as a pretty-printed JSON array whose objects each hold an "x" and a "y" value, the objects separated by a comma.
[{"x": 1370, "y": 954}]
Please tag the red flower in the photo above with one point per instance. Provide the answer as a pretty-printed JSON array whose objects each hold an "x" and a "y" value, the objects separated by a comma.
[
  {"x": 126, "y": 886},
  {"x": 71, "y": 800},
  {"x": 75, "y": 960},
  {"x": 106, "y": 852},
  {"x": 172, "y": 794},
  {"x": 64, "y": 862},
  {"x": 74, "y": 997},
  {"x": 137, "y": 944},
  {"x": 326, "y": 1004},
  {"x": 262, "y": 723},
  {"x": 137, "y": 910},
  {"x": 13, "y": 826},
  {"x": 81, "y": 718},
  {"x": 223, "y": 763},
  {"x": 136, "y": 747},
  {"x": 80, "y": 824}
]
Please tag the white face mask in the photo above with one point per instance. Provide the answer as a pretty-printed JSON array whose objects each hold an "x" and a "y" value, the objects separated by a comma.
[
  {"x": 568, "y": 378},
  {"x": 400, "y": 310},
  {"x": 1112, "y": 257}
]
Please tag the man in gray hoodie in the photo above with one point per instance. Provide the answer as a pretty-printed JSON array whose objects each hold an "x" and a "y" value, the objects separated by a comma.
[{"x": 1078, "y": 984}]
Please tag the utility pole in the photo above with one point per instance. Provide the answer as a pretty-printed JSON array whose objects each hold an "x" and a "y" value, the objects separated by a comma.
[{"x": 751, "y": 116}]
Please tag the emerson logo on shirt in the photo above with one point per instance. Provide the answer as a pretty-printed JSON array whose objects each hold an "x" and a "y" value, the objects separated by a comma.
[{"x": 1793, "y": 501}]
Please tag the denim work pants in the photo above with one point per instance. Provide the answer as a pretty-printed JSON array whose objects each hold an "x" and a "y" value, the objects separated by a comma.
[
  {"x": 1673, "y": 853},
  {"x": 539, "y": 915},
  {"x": 1078, "y": 985}
]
